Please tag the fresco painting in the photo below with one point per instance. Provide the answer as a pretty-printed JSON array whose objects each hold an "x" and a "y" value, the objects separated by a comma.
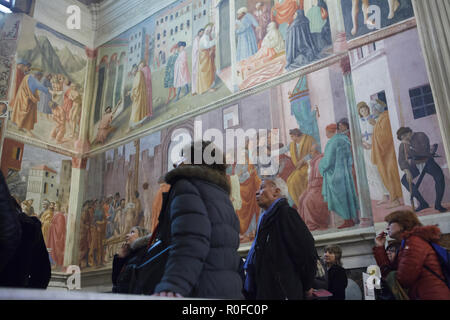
[
  {"x": 165, "y": 66},
  {"x": 48, "y": 85},
  {"x": 365, "y": 16},
  {"x": 398, "y": 101},
  {"x": 39, "y": 180},
  {"x": 188, "y": 56}
]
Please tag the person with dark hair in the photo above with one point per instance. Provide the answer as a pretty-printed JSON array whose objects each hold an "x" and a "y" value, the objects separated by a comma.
[
  {"x": 282, "y": 261},
  {"x": 386, "y": 258},
  {"x": 416, "y": 158},
  {"x": 335, "y": 273},
  {"x": 130, "y": 252},
  {"x": 203, "y": 236},
  {"x": 418, "y": 269}
]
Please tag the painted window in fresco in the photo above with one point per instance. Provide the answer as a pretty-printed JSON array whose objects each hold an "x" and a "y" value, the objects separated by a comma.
[{"x": 40, "y": 180}]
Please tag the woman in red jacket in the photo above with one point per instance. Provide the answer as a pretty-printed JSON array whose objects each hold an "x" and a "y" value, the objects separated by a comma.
[{"x": 412, "y": 258}]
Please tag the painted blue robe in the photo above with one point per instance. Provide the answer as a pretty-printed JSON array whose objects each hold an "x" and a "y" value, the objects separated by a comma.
[
  {"x": 300, "y": 46},
  {"x": 246, "y": 38},
  {"x": 45, "y": 98},
  {"x": 338, "y": 188}
]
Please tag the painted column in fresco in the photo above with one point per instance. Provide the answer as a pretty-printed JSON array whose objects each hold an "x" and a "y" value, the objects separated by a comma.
[
  {"x": 365, "y": 206},
  {"x": 82, "y": 144},
  {"x": 433, "y": 25},
  {"x": 234, "y": 82},
  {"x": 77, "y": 186}
]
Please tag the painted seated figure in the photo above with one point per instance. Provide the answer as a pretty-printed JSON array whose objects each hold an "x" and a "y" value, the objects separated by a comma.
[{"x": 272, "y": 47}]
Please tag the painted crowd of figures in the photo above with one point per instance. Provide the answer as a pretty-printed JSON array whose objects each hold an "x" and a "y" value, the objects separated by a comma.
[
  {"x": 53, "y": 95},
  {"x": 111, "y": 218},
  {"x": 53, "y": 220},
  {"x": 285, "y": 37}
]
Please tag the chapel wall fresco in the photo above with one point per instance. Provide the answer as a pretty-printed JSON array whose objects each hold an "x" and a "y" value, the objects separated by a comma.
[
  {"x": 310, "y": 103},
  {"x": 266, "y": 42},
  {"x": 40, "y": 182},
  {"x": 53, "y": 67}
]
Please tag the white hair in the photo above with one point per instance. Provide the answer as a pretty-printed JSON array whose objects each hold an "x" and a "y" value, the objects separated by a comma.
[{"x": 242, "y": 10}]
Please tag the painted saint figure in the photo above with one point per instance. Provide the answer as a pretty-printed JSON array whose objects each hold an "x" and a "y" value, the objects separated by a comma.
[
  {"x": 147, "y": 72},
  {"x": 181, "y": 70},
  {"x": 272, "y": 45},
  {"x": 57, "y": 236},
  {"x": 22, "y": 69},
  {"x": 195, "y": 57},
  {"x": 367, "y": 121},
  {"x": 336, "y": 169},
  {"x": 169, "y": 73},
  {"x": 104, "y": 127},
  {"x": 138, "y": 94},
  {"x": 262, "y": 16},
  {"x": 283, "y": 12},
  {"x": 299, "y": 149},
  {"x": 44, "y": 98},
  {"x": 319, "y": 24},
  {"x": 246, "y": 38},
  {"x": 75, "y": 112},
  {"x": 311, "y": 205},
  {"x": 59, "y": 118},
  {"x": 300, "y": 46},
  {"x": 206, "y": 62},
  {"x": 24, "y": 107},
  {"x": 383, "y": 154}
]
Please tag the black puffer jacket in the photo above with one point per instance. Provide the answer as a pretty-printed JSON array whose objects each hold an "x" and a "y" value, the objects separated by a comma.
[
  {"x": 121, "y": 272},
  {"x": 204, "y": 261},
  {"x": 10, "y": 229}
]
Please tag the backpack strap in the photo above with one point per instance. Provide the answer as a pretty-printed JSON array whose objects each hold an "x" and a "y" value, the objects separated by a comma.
[
  {"x": 429, "y": 269},
  {"x": 438, "y": 276}
]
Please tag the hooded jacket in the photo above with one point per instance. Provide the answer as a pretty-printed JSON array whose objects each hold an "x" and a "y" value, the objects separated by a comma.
[
  {"x": 121, "y": 274},
  {"x": 204, "y": 235},
  {"x": 417, "y": 253}
]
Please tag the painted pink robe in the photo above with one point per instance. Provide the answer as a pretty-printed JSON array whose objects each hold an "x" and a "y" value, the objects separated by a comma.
[
  {"x": 312, "y": 208},
  {"x": 181, "y": 75},
  {"x": 148, "y": 83},
  {"x": 195, "y": 51}
]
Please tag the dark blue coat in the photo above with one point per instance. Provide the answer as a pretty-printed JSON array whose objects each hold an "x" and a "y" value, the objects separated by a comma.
[{"x": 204, "y": 261}]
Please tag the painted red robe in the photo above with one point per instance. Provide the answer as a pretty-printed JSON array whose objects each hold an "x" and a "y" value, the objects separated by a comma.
[
  {"x": 312, "y": 208},
  {"x": 57, "y": 238}
]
